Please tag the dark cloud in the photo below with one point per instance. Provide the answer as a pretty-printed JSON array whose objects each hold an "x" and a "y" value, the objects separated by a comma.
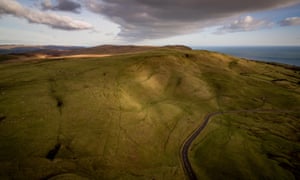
[
  {"x": 290, "y": 21},
  {"x": 62, "y": 5},
  {"x": 12, "y": 7},
  {"x": 68, "y": 5},
  {"x": 146, "y": 19}
]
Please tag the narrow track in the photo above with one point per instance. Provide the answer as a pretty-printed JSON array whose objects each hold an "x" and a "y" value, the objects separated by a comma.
[{"x": 187, "y": 143}]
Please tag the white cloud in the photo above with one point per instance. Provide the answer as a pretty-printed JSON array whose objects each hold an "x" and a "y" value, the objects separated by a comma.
[
  {"x": 14, "y": 8},
  {"x": 47, "y": 4},
  {"x": 247, "y": 23},
  {"x": 290, "y": 21},
  {"x": 93, "y": 5}
]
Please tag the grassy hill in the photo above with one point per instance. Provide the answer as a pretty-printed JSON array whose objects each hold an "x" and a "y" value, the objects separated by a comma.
[{"x": 127, "y": 116}]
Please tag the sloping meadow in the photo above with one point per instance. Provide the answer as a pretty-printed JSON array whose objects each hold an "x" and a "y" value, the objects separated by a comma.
[{"x": 127, "y": 116}]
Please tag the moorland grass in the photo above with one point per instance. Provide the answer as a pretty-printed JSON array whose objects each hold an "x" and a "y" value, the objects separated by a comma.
[{"x": 126, "y": 117}]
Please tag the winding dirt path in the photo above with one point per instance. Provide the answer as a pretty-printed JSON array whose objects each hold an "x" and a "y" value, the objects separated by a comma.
[{"x": 188, "y": 142}]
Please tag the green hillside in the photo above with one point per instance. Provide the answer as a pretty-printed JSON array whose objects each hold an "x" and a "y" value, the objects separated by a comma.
[{"x": 127, "y": 116}]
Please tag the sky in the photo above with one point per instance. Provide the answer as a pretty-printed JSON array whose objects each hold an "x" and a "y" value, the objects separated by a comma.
[{"x": 150, "y": 22}]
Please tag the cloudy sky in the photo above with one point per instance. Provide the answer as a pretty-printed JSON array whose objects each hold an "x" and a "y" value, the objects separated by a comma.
[{"x": 151, "y": 22}]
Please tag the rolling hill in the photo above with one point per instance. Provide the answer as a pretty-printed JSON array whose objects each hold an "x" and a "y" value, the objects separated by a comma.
[{"x": 127, "y": 116}]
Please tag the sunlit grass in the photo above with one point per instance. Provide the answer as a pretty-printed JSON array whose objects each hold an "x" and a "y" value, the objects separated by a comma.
[{"x": 127, "y": 116}]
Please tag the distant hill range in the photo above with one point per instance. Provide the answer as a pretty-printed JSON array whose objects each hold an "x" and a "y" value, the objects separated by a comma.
[
  {"x": 23, "y": 49},
  {"x": 75, "y": 50}
]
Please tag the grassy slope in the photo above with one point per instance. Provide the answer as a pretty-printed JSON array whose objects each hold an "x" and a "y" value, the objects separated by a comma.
[
  {"x": 126, "y": 117},
  {"x": 251, "y": 145}
]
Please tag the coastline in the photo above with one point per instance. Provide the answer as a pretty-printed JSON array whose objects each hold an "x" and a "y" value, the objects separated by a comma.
[{"x": 283, "y": 55}]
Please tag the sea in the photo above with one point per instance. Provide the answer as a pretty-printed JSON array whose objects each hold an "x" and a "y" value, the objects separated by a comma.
[{"x": 278, "y": 54}]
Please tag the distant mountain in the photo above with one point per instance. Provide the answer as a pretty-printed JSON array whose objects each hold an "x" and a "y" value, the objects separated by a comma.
[{"x": 22, "y": 49}]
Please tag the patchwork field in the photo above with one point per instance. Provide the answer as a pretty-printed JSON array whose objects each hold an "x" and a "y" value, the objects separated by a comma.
[{"x": 127, "y": 116}]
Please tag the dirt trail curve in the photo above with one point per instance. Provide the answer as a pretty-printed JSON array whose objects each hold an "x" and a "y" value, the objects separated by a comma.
[{"x": 187, "y": 143}]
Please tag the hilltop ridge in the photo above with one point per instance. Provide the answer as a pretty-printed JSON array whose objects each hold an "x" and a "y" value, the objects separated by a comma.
[
  {"x": 64, "y": 50},
  {"x": 23, "y": 52}
]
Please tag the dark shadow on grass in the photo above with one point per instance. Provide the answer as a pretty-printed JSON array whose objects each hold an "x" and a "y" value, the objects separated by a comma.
[
  {"x": 53, "y": 152},
  {"x": 2, "y": 118},
  {"x": 59, "y": 103}
]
